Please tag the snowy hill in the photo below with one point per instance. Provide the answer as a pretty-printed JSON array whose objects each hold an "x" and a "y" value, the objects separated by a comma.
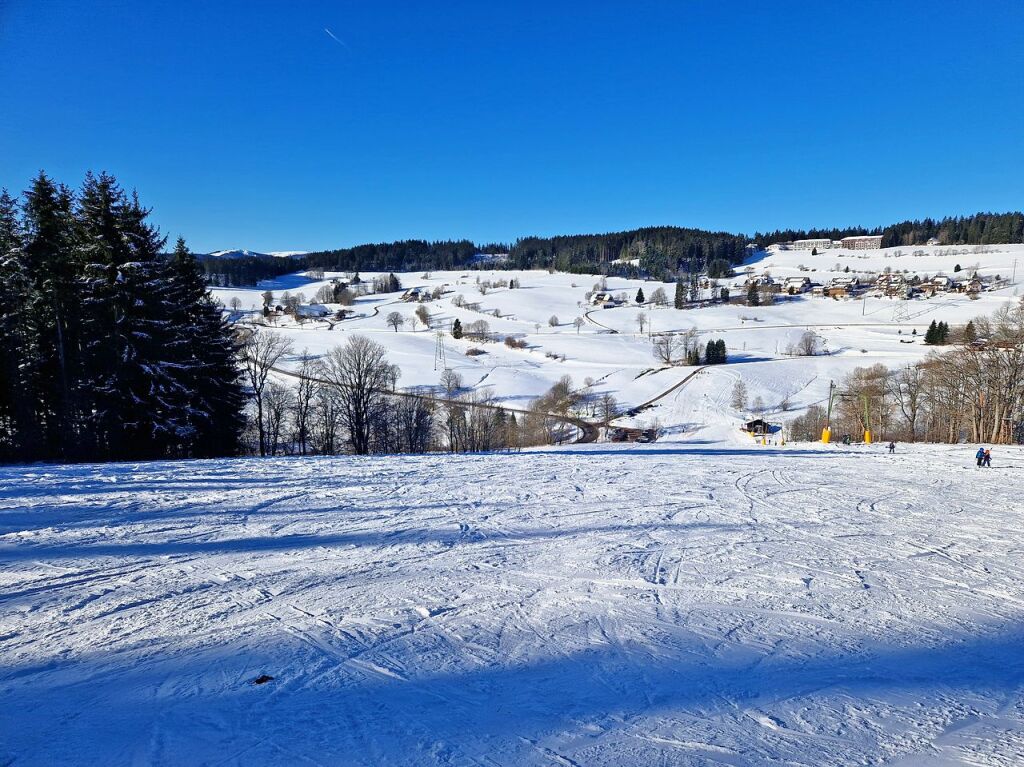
[
  {"x": 609, "y": 351},
  {"x": 666, "y": 604},
  {"x": 242, "y": 253}
]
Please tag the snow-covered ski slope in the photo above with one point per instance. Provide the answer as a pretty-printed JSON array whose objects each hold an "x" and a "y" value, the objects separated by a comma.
[
  {"x": 609, "y": 349},
  {"x": 676, "y": 603}
]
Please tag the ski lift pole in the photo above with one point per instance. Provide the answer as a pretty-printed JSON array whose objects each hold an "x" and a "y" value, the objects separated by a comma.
[{"x": 826, "y": 433}]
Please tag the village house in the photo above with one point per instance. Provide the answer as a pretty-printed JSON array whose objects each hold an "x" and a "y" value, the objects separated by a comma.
[
  {"x": 311, "y": 311},
  {"x": 795, "y": 285},
  {"x": 416, "y": 294},
  {"x": 937, "y": 284},
  {"x": 892, "y": 285},
  {"x": 604, "y": 299},
  {"x": 842, "y": 287}
]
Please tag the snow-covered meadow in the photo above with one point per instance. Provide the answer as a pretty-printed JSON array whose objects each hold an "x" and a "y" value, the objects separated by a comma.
[
  {"x": 687, "y": 604},
  {"x": 610, "y": 351}
]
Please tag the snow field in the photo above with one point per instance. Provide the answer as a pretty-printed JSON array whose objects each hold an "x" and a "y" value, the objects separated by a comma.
[
  {"x": 759, "y": 339},
  {"x": 688, "y": 604}
]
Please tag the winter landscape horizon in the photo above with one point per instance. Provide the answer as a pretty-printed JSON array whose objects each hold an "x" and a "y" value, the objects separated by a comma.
[{"x": 511, "y": 384}]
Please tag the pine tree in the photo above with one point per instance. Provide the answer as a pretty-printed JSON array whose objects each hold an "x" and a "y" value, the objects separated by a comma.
[
  {"x": 207, "y": 354},
  {"x": 970, "y": 333},
  {"x": 931, "y": 335},
  {"x": 711, "y": 353},
  {"x": 117, "y": 353},
  {"x": 17, "y": 425},
  {"x": 640, "y": 295},
  {"x": 680, "y": 299},
  {"x": 457, "y": 329},
  {"x": 51, "y": 317},
  {"x": 753, "y": 299}
]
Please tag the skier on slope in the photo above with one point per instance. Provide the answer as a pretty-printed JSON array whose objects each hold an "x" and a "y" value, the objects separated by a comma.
[{"x": 980, "y": 455}]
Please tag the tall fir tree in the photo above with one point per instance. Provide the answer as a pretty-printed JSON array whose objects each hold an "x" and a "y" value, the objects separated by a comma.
[
  {"x": 108, "y": 350},
  {"x": 206, "y": 352},
  {"x": 17, "y": 423},
  {"x": 680, "y": 298},
  {"x": 51, "y": 318}
]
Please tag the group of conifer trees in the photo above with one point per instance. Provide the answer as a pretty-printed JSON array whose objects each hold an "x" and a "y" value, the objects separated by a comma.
[{"x": 109, "y": 349}]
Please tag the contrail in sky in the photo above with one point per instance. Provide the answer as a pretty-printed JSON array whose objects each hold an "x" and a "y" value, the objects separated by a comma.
[{"x": 337, "y": 39}]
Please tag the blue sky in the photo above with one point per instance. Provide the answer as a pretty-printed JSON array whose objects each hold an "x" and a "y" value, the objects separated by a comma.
[{"x": 248, "y": 125}]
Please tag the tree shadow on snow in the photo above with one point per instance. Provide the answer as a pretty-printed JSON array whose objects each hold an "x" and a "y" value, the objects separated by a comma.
[{"x": 338, "y": 701}]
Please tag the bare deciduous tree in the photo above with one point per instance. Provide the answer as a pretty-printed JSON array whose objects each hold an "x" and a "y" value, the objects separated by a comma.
[
  {"x": 361, "y": 375},
  {"x": 395, "y": 320},
  {"x": 260, "y": 354},
  {"x": 739, "y": 396},
  {"x": 451, "y": 382},
  {"x": 667, "y": 347},
  {"x": 423, "y": 315}
]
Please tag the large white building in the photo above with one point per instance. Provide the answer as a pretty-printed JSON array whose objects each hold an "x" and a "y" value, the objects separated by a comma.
[
  {"x": 863, "y": 242},
  {"x": 819, "y": 244}
]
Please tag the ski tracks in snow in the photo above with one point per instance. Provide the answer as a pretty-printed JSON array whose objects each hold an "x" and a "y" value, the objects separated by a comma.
[{"x": 603, "y": 606}]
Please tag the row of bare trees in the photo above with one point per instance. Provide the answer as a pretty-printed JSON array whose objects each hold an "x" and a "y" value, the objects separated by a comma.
[
  {"x": 974, "y": 393},
  {"x": 347, "y": 402}
]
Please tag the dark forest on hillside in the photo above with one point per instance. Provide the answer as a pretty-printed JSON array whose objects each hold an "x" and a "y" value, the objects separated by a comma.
[{"x": 662, "y": 252}]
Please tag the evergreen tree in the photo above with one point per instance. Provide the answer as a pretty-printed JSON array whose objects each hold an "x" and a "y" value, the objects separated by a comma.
[
  {"x": 17, "y": 424},
  {"x": 753, "y": 299},
  {"x": 206, "y": 352},
  {"x": 107, "y": 349},
  {"x": 51, "y": 315},
  {"x": 640, "y": 295},
  {"x": 680, "y": 298},
  {"x": 721, "y": 354},
  {"x": 970, "y": 333},
  {"x": 457, "y": 329},
  {"x": 711, "y": 353},
  {"x": 932, "y": 334}
]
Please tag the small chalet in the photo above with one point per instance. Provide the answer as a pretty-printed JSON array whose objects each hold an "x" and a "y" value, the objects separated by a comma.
[
  {"x": 794, "y": 285},
  {"x": 416, "y": 294},
  {"x": 311, "y": 311},
  {"x": 758, "y": 426},
  {"x": 603, "y": 298}
]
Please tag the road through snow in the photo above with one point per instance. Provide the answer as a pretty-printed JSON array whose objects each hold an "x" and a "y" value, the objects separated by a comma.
[{"x": 691, "y": 604}]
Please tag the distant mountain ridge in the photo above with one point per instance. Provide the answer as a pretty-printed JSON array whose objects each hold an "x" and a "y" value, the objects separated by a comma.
[{"x": 243, "y": 253}]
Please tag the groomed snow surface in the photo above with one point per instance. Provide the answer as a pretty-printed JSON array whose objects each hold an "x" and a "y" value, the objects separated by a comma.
[{"x": 681, "y": 603}]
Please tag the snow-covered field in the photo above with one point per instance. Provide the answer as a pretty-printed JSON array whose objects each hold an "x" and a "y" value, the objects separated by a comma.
[
  {"x": 684, "y": 604},
  {"x": 854, "y": 332}
]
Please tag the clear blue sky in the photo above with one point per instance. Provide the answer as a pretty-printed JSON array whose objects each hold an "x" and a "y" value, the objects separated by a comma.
[{"x": 247, "y": 125}]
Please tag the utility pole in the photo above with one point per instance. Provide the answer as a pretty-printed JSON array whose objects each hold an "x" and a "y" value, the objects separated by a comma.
[{"x": 826, "y": 433}]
